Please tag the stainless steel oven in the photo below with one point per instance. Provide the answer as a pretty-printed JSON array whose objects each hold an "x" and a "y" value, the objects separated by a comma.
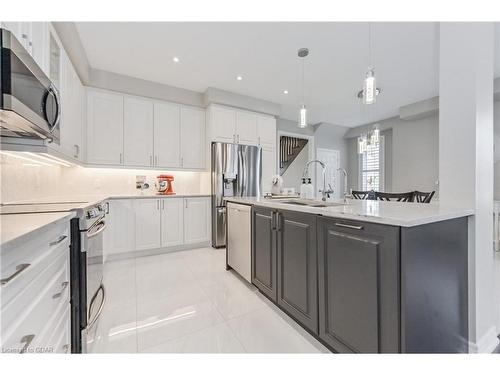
[{"x": 88, "y": 293}]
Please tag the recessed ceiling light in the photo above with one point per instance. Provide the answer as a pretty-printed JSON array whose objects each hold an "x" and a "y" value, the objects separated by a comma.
[
  {"x": 239, "y": 78},
  {"x": 285, "y": 92},
  {"x": 176, "y": 59}
]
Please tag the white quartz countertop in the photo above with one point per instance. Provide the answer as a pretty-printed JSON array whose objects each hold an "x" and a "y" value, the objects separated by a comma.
[
  {"x": 15, "y": 227},
  {"x": 389, "y": 213}
]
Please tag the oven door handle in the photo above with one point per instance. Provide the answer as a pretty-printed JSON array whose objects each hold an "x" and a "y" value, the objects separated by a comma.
[
  {"x": 99, "y": 311},
  {"x": 96, "y": 228}
]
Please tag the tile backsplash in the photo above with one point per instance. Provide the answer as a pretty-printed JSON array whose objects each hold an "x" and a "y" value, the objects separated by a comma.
[{"x": 23, "y": 181}]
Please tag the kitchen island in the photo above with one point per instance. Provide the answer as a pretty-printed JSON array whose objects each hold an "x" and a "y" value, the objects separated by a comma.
[{"x": 367, "y": 276}]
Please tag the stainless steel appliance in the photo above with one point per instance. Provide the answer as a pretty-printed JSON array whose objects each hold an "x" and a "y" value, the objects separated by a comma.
[
  {"x": 29, "y": 102},
  {"x": 86, "y": 264},
  {"x": 236, "y": 171},
  {"x": 92, "y": 294}
]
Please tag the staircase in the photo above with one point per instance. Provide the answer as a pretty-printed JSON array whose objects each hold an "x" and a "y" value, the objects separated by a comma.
[{"x": 290, "y": 147}]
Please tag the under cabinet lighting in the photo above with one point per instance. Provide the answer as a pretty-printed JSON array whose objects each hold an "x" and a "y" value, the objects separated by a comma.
[
  {"x": 285, "y": 92},
  {"x": 239, "y": 78},
  {"x": 176, "y": 59}
]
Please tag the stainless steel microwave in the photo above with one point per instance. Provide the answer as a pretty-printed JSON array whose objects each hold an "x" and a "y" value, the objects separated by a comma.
[{"x": 30, "y": 105}]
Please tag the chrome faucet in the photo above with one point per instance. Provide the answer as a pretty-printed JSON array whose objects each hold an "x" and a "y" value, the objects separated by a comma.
[
  {"x": 344, "y": 172},
  {"x": 324, "y": 193}
]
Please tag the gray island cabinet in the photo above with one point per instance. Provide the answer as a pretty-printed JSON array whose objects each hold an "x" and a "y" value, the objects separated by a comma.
[{"x": 363, "y": 287}]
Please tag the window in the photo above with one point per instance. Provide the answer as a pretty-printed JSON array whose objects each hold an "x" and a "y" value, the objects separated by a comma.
[{"x": 371, "y": 167}]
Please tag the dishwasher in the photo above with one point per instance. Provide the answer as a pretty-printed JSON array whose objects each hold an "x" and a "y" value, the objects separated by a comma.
[{"x": 238, "y": 245}]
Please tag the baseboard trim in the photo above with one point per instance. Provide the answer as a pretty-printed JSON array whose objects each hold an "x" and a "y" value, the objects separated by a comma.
[
  {"x": 162, "y": 250},
  {"x": 486, "y": 344}
]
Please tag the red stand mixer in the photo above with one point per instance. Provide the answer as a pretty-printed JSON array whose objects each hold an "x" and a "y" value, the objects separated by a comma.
[{"x": 164, "y": 184}]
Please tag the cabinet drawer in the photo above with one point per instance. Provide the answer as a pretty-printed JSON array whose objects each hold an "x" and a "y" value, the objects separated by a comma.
[
  {"x": 25, "y": 318},
  {"x": 59, "y": 331},
  {"x": 20, "y": 265}
]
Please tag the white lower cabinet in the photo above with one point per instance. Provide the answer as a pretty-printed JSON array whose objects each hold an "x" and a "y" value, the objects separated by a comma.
[
  {"x": 35, "y": 303},
  {"x": 147, "y": 223},
  {"x": 196, "y": 220},
  {"x": 161, "y": 222},
  {"x": 120, "y": 234},
  {"x": 172, "y": 222}
]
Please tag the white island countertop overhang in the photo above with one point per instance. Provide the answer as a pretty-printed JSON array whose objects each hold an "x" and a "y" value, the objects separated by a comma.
[{"x": 404, "y": 214}]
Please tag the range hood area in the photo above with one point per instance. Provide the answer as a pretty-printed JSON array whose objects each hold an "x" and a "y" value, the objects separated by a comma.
[{"x": 30, "y": 107}]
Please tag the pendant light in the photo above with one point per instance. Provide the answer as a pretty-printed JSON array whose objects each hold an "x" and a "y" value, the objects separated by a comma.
[
  {"x": 370, "y": 138},
  {"x": 303, "y": 53},
  {"x": 370, "y": 90}
]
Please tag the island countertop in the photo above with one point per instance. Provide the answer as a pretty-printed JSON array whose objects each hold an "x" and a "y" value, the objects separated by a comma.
[{"x": 381, "y": 212}]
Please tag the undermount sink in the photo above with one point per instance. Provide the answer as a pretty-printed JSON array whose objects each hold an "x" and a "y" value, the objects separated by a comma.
[{"x": 312, "y": 203}]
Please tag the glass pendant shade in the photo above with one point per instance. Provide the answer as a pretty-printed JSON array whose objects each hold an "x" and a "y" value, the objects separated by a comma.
[
  {"x": 303, "y": 117},
  {"x": 369, "y": 88},
  {"x": 375, "y": 134},
  {"x": 362, "y": 144}
]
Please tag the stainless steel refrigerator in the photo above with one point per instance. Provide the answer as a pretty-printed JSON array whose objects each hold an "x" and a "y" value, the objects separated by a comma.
[{"x": 236, "y": 171}]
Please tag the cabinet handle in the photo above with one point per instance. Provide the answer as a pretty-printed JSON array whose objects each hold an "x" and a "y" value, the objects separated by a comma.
[
  {"x": 234, "y": 138},
  {"x": 273, "y": 220},
  {"x": 26, "y": 340},
  {"x": 163, "y": 204},
  {"x": 59, "y": 240},
  {"x": 357, "y": 227},
  {"x": 238, "y": 138},
  {"x": 59, "y": 294},
  {"x": 150, "y": 160},
  {"x": 107, "y": 208},
  {"x": 186, "y": 202},
  {"x": 156, "y": 160},
  {"x": 182, "y": 161},
  {"x": 121, "y": 158},
  {"x": 158, "y": 204},
  {"x": 24, "y": 36},
  {"x": 77, "y": 151},
  {"x": 20, "y": 268},
  {"x": 258, "y": 139},
  {"x": 278, "y": 222}
]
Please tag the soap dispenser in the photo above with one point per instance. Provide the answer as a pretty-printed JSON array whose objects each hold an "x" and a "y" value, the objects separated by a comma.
[{"x": 303, "y": 189}]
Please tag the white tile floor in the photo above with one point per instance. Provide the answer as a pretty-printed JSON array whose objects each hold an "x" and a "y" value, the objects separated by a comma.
[{"x": 186, "y": 302}]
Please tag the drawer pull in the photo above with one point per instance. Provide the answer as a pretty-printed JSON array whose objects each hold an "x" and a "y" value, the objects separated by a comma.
[
  {"x": 64, "y": 286},
  {"x": 26, "y": 340},
  {"x": 20, "y": 268},
  {"x": 59, "y": 240},
  {"x": 357, "y": 227}
]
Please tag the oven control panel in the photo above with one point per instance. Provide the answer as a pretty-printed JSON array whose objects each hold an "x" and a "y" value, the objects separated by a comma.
[{"x": 95, "y": 211}]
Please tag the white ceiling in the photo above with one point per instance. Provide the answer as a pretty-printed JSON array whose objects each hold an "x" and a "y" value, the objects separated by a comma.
[{"x": 405, "y": 56}]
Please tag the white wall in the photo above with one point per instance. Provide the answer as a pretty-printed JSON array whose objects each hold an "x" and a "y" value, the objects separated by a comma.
[
  {"x": 26, "y": 182},
  {"x": 415, "y": 157}
]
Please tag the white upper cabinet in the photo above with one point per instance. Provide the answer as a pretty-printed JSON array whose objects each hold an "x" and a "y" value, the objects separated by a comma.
[
  {"x": 172, "y": 222},
  {"x": 223, "y": 124},
  {"x": 266, "y": 130},
  {"x": 196, "y": 220},
  {"x": 34, "y": 37},
  {"x": 233, "y": 125},
  {"x": 147, "y": 223},
  {"x": 246, "y": 128},
  {"x": 72, "y": 99},
  {"x": 138, "y": 132},
  {"x": 104, "y": 127},
  {"x": 192, "y": 138},
  {"x": 167, "y": 135}
]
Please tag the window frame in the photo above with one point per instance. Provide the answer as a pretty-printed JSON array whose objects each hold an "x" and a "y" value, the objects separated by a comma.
[{"x": 381, "y": 169}]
